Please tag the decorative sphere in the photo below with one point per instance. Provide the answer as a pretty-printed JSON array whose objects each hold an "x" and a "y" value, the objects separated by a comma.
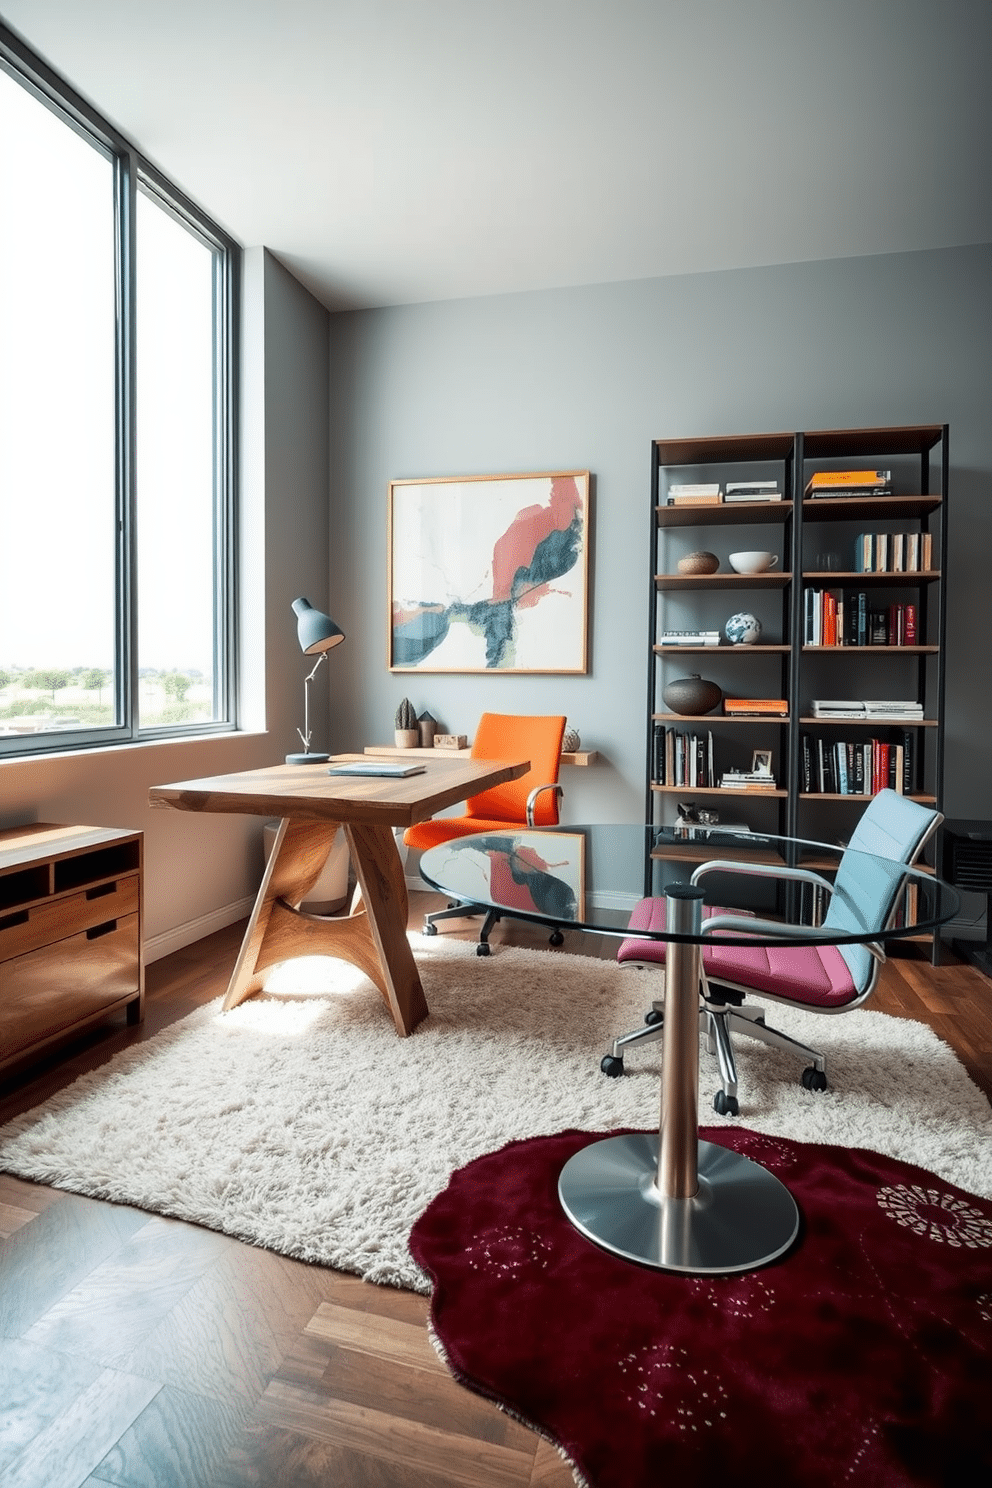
[
  {"x": 692, "y": 696},
  {"x": 571, "y": 741},
  {"x": 742, "y": 629}
]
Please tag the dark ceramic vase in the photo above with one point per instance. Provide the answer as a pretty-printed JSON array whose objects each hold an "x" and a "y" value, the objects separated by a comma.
[{"x": 692, "y": 695}]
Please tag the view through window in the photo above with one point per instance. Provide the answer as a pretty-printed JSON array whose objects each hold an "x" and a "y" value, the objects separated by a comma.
[{"x": 115, "y": 606}]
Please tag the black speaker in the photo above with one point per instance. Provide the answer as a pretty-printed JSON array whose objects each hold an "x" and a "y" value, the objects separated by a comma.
[{"x": 966, "y": 862}]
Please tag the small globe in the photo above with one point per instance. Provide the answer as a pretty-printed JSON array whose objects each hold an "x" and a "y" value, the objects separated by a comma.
[{"x": 742, "y": 629}]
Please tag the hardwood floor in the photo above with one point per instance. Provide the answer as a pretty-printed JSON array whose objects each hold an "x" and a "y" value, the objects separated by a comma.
[{"x": 143, "y": 1352}]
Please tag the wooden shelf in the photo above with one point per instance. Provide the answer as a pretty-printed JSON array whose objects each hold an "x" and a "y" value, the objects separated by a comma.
[
  {"x": 726, "y": 514},
  {"x": 876, "y": 722},
  {"x": 581, "y": 757},
  {"x": 718, "y": 790},
  {"x": 867, "y": 508},
  {"x": 767, "y": 580},
  {"x": 924, "y": 800},
  {"x": 874, "y": 650},
  {"x": 851, "y": 579},
  {"x": 709, "y": 718},
  {"x": 721, "y": 651}
]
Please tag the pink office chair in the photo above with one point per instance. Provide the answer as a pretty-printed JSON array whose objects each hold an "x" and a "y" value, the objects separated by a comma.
[{"x": 822, "y": 978}]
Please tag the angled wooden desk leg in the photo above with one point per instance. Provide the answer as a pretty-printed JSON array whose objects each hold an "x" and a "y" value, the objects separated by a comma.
[{"x": 372, "y": 937}]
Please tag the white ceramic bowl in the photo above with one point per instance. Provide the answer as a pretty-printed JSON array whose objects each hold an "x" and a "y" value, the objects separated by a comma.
[{"x": 752, "y": 563}]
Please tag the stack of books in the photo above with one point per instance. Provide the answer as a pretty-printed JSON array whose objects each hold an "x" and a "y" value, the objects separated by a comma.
[
  {"x": 756, "y": 707},
  {"x": 749, "y": 780},
  {"x": 897, "y": 708},
  {"x": 694, "y": 493},
  {"x": 849, "y": 483},
  {"x": 893, "y": 708},
  {"x": 689, "y": 638},
  {"x": 760, "y": 490}
]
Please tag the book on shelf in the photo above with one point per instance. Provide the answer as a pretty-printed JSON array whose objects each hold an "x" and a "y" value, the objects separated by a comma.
[
  {"x": 838, "y": 708},
  {"x": 892, "y": 552},
  {"x": 750, "y": 780},
  {"x": 768, "y": 707},
  {"x": 893, "y": 707},
  {"x": 693, "y": 500},
  {"x": 683, "y": 759},
  {"x": 858, "y": 767},
  {"x": 848, "y": 482},
  {"x": 689, "y": 638},
  {"x": 694, "y": 488},
  {"x": 752, "y": 491}
]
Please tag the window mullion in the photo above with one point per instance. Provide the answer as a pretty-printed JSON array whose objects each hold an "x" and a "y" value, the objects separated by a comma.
[{"x": 127, "y": 609}]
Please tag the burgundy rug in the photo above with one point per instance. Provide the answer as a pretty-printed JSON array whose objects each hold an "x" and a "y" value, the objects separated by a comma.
[{"x": 863, "y": 1357}]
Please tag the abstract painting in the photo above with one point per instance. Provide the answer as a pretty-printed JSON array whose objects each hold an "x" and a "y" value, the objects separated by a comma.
[{"x": 489, "y": 573}]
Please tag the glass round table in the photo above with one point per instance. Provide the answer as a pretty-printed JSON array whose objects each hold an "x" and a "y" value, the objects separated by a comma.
[{"x": 669, "y": 1199}]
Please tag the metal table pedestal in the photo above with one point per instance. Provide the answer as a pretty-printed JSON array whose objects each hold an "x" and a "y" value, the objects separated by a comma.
[{"x": 672, "y": 1201}]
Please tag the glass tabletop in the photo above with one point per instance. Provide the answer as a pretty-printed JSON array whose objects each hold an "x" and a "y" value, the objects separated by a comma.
[{"x": 590, "y": 878}]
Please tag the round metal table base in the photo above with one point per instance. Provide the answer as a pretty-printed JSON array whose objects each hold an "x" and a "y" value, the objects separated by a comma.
[{"x": 741, "y": 1218}]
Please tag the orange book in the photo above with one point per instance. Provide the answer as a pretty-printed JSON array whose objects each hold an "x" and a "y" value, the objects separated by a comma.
[{"x": 831, "y": 480}]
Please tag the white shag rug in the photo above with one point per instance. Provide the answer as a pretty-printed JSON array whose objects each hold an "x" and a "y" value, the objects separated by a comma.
[{"x": 302, "y": 1123}]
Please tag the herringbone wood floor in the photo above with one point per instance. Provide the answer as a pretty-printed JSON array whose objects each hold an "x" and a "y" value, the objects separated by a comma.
[{"x": 147, "y": 1353}]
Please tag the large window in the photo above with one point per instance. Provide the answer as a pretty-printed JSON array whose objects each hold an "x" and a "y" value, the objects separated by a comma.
[{"x": 117, "y": 380}]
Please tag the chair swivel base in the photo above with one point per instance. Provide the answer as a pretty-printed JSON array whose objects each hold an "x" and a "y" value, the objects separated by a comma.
[{"x": 741, "y": 1218}]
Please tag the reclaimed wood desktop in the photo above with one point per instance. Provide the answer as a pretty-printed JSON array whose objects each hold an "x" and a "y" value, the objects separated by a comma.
[{"x": 312, "y": 806}]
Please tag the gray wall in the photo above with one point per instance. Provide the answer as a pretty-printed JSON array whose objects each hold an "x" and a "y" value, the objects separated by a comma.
[{"x": 586, "y": 378}]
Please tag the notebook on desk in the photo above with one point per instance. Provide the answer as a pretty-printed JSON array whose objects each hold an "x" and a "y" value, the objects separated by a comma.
[{"x": 391, "y": 768}]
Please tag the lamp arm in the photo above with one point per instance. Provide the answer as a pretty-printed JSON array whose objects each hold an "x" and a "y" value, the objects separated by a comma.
[{"x": 305, "y": 737}]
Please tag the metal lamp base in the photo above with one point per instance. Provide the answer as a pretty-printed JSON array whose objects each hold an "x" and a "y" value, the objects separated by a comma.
[
  {"x": 741, "y": 1218},
  {"x": 307, "y": 759}
]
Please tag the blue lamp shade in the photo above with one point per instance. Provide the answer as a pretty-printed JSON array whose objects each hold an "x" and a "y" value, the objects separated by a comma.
[{"x": 316, "y": 631}]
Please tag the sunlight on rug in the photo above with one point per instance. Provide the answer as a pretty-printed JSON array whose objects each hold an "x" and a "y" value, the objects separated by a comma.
[{"x": 300, "y": 1122}]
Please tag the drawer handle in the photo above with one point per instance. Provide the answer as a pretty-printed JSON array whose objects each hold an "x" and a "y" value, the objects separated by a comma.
[
  {"x": 107, "y": 928},
  {"x": 101, "y": 890},
  {"x": 19, "y": 917}
]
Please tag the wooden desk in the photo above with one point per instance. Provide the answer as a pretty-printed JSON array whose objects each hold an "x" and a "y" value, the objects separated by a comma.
[{"x": 312, "y": 806}]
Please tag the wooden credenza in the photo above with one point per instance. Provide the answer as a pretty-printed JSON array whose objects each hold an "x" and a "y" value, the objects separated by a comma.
[{"x": 70, "y": 933}]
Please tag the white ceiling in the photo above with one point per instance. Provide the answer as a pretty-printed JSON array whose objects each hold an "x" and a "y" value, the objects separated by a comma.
[{"x": 394, "y": 151}]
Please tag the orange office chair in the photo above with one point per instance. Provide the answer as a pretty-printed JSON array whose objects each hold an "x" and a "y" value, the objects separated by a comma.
[{"x": 531, "y": 801}]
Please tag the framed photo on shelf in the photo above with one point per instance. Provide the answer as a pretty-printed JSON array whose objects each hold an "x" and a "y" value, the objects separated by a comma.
[
  {"x": 489, "y": 573},
  {"x": 761, "y": 762}
]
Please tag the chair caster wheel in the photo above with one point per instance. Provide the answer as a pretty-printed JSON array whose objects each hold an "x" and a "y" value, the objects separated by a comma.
[
  {"x": 612, "y": 1065},
  {"x": 653, "y": 1017},
  {"x": 814, "y": 1079},
  {"x": 726, "y": 1105},
  {"x": 556, "y": 938},
  {"x": 482, "y": 949},
  {"x": 430, "y": 929}
]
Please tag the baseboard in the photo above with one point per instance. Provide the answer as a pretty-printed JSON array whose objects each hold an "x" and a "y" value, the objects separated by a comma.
[{"x": 158, "y": 946}]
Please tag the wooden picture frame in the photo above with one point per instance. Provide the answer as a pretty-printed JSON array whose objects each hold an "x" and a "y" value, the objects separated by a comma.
[{"x": 489, "y": 573}]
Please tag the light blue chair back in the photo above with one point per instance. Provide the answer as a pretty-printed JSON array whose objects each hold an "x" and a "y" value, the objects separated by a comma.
[{"x": 865, "y": 889}]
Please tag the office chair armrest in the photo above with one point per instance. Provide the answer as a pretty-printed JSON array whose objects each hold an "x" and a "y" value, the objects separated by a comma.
[
  {"x": 533, "y": 798},
  {"x": 761, "y": 870},
  {"x": 750, "y": 925}
]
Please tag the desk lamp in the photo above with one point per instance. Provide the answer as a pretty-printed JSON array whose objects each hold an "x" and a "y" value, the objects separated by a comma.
[{"x": 317, "y": 633}]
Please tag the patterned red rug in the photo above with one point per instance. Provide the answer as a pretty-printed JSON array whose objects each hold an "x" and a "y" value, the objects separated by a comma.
[{"x": 863, "y": 1357}]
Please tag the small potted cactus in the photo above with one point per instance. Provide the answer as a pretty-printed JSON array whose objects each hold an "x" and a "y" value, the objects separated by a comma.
[{"x": 407, "y": 732}]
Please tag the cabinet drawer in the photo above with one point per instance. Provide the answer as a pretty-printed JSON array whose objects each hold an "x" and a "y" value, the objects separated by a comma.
[
  {"x": 58, "y": 985},
  {"x": 29, "y": 929}
]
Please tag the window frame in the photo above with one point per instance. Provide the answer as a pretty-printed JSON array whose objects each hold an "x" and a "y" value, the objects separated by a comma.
[{"x": 134, "y": 173}]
